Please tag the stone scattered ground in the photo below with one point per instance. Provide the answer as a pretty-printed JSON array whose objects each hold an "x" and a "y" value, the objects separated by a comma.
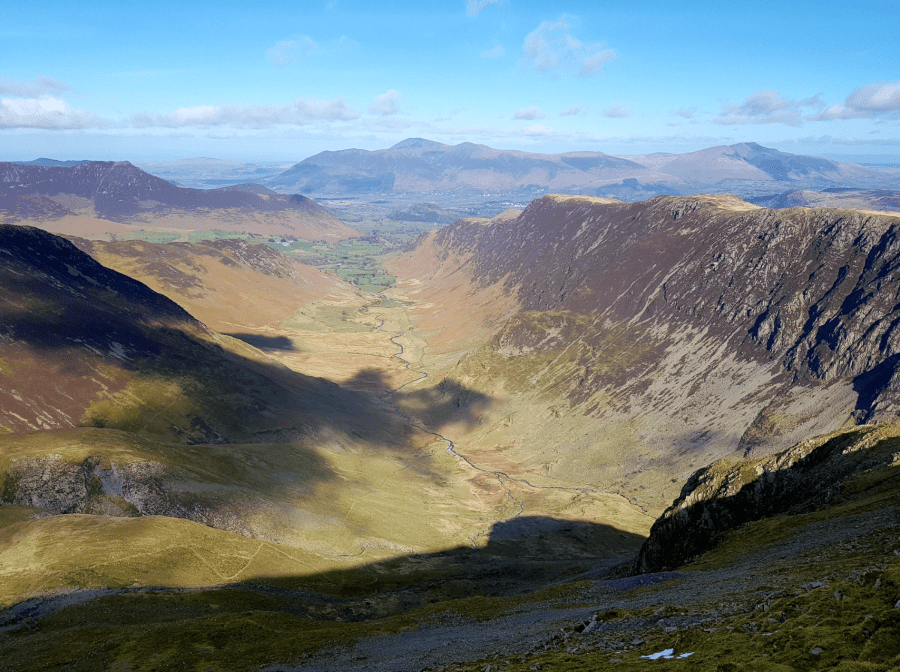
[{"x": 638, "y": 615}]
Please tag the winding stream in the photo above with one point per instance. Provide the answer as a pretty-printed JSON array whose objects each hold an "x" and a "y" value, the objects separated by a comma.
[{"x": 451, "y": 447}]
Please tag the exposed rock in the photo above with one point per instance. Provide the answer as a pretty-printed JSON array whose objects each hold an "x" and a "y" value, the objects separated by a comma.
[{"x": 720, "y": 498}]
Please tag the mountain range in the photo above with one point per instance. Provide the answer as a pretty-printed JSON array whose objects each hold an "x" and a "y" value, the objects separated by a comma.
[
  {"x": 416, "y": 166},
  {"x": 621, "y": 343}
]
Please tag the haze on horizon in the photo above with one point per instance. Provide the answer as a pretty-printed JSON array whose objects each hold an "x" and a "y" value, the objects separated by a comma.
[{"x": 277, "y": 81}]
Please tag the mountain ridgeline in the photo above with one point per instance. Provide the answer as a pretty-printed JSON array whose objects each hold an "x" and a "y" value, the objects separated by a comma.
[{"x": 494, "y": 447}]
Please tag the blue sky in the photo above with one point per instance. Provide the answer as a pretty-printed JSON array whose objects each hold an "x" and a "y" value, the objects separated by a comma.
[{"x": 279, "y": 81}]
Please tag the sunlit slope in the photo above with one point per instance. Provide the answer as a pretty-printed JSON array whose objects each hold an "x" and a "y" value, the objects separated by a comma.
[
  {"x": 644, "y": 340},
  {"x": 819, "y": 574},
  {"x": 345, "y": 498},
  {"x": 155, "y": 414},
  {"x": 232, "y": 286}
]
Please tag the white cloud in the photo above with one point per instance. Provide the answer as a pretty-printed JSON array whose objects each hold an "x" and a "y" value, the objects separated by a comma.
[
  {"x": 496, "y": 52},
  {"x": 873, "y": 100},
  {"x": 767, "y": 107},
  {"x": 448, "y": 116},
  {"x": 530, "y": 113},
  {"x": 552, "y": 45},
  {"x": 46, "y": 112},
  {"x": 617, "y": 111},
  {"x": 474, "y": 7},
  {"x": 540, "y": 130},
  {"x": 594, "y": 63},
  {"x": 291, "y": 51},
  {"x": 386, "y": 103},
  {"x": 572, "y": 111},
  {"x": 39, "y": 86},
  {"x": 299, "y": 113},
  {"x": 685, "y": 112}
]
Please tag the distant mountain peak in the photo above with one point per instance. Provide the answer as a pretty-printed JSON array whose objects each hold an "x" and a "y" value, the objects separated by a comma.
[{"x": 418, "y": 143}]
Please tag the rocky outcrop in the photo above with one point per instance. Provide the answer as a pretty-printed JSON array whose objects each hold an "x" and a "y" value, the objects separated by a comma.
[
  {"x": 99, "y": 486},
  {"x": 719, "y": 498}
]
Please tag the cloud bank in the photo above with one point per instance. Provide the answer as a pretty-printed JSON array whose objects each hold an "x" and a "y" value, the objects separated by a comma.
[
  {"x": 617, "y": 111},
  {"x": 768, "y": 107},
  {"x": 39, "y": 86},
  {"x": 530, "y": 113},
  {"x": 46, "y": 112},
  {"x": 299, "y": 113},
  {"x": 386, "y": 104}
]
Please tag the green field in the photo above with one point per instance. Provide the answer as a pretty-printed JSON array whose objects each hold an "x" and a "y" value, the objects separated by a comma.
[{"x": 357, "y": 260}]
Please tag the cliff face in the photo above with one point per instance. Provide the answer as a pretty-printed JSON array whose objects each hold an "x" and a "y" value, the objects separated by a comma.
[
  {"x": 685, "y": 329},
  {"x": 815, "y": 473}
]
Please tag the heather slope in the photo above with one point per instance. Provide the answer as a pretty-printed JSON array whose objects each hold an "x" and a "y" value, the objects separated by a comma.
[{"x": 84, "y": 344}]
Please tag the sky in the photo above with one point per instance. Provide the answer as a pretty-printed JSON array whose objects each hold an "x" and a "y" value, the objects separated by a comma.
[{"x": 281, "y": 81}]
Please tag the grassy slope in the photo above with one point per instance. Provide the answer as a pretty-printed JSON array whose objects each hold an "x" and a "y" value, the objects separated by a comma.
[{"x": 769, "y": 595}]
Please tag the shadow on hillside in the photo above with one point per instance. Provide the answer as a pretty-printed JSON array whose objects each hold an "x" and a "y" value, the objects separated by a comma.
[
  {"x": 840, "y": 470},
  {"x": 522, "y": 555},
  {"x": 164, "y": 377},
  {"x": 266, "y": 342},
  {"x": 433, "y": 405},
  {"x": 550, "y": 552}
]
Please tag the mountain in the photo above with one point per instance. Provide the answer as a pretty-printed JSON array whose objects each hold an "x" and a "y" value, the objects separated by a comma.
[
  {"x": 97, "y": 194},
  {"x": 417, "y": 166},
  {"x": 86, "y": 345},
  {"x": 114, "y": 401},
  {"x": 751, "y": 161},
  {"x": 222, "y": 512},
  {"x": 630, "y": 344},
  {"x": 512, "y": 415}
]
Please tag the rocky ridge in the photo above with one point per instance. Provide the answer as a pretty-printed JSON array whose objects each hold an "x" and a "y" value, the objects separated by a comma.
[{"x": 807, "y": 477}]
